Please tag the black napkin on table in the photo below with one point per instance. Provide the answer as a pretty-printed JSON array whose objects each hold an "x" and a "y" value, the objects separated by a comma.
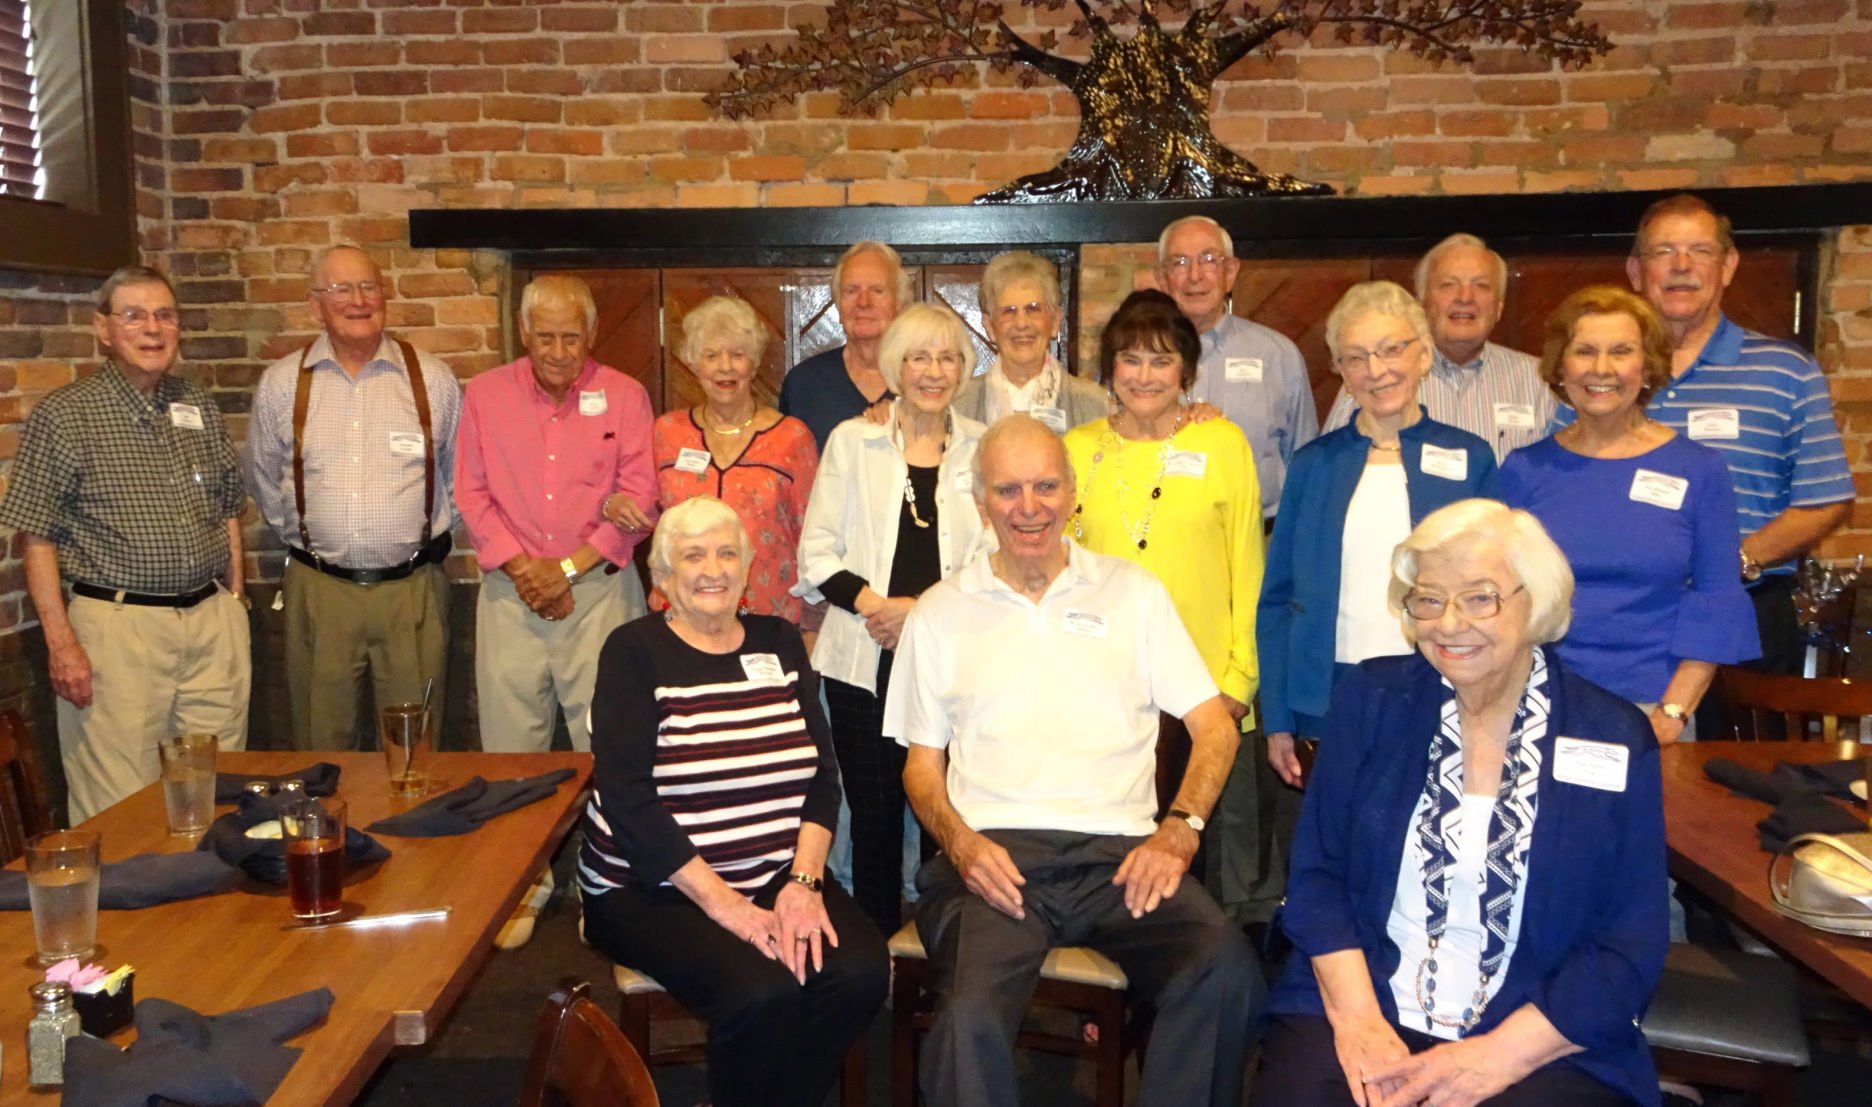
[
  {"x": 264, "y": 859},
  {"x": 229, "y": 1060},
  {"x": 141, "y": 881},
  {"x": 1834, "y": 778},
  {"x": 1808, "y": 813},
  {"x": 319, "y": 780},
  {"x": 467, "y": 807}
]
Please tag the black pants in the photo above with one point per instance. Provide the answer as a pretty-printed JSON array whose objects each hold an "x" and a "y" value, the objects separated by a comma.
[
  {"x": 772, "y": 1042},
  {"x": 1299, "y": 1069},
  {"x": 871, "y": 768},
  {"x": 1783, "y": 651}
]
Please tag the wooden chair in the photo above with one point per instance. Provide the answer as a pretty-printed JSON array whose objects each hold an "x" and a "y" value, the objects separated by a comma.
[
  {"x": 1770, "y": 706},
  {"x": 580, "y": 1059},
  {"x": 23, "y": 808}
]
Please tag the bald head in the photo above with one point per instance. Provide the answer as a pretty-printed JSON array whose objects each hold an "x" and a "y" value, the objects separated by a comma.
[{"x": 1024, "y": 489}]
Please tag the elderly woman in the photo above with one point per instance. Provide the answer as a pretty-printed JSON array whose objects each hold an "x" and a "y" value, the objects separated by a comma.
[
  {"x": 1478, "y": 879},
  {"x": 1020, "y": 302},
  {"x": 705, "y": 841},
  {"x": 869, "y": 286},
  {"x": 892, "y": 513},
  {"x": 1646, "y": 517}
]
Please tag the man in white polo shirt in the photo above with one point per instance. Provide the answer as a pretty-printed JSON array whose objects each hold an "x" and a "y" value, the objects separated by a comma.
[{"x": 1028, "y": 694}]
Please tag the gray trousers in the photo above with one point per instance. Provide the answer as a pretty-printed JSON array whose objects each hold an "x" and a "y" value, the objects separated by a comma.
[{"x": 1184, "y": 960}]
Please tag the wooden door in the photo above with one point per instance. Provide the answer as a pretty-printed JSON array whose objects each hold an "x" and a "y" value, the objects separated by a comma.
[
  {"x": 1293, "y": 297},
  {"x": 765, "y": 290}
]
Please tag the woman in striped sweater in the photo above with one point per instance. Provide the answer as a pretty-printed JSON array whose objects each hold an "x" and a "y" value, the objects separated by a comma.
[{"x": 706, "y": 837}]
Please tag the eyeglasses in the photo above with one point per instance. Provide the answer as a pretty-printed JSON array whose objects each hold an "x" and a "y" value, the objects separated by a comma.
[
  {"x": 1183, "y": 263},
  {"x": 921, "y": 362},
  {"x": 165, "y": 318},
  {"x": 1698, "y": 253},
  {"x": 1390, "y": 353},
  {"x": 370, "y": 290},
  {"x": 1476, "y": 605}
]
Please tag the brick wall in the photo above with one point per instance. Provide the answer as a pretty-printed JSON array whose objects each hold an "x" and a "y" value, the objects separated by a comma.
[{"x": 268, "y": 128}]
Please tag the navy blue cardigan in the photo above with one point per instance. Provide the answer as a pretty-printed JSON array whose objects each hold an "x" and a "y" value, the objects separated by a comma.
[
  {"x": 1298, "y": 617},
  {"x": 1594, "y": 926}
]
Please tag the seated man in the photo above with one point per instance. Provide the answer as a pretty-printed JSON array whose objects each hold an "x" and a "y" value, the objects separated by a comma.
[{"x": 1039, "y": 785}]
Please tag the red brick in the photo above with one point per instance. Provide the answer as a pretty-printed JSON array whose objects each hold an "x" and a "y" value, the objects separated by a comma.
[
  {"x": 321, "y": 144},
  {"x": 285, "y": 117},
  {"x": 395, "y": 82},
  {"x": 745, "y": 17},
  {"x": 403, "y": 142},
  {"x": 545, "y": 82},
  {"x": 664, "y": 19},
  {"x": 443, "y": 109},
  {"x": 466, "y": 80},
  {"x": 445, "y": 52},
  {"x": 484, "y": 138},
  {"x": 334, "y": 202},
  {"x": 674, "y": 169},
  {"x": 259, "y": 30},
  {"x": 520, "y": 109},
  {"x": 499, "y": 22},
  {"x": 988, "y": 137},
  {"x": 363, "y": 113},
  {"x": 726, "y": 139},
  {"x": 314, "y": 86},
  {"x": 767, "y": 168},
  {"x": 366, "y": 229},
  {"x": 603, "y": 51},
  {"x": 404, "y": 24},
  {"x": 521, "y": 51},
  {"x": 578, "y": 142},
  {"x": 280, "y": 59},
  {"x": 355, "y": 55},
  {"x": 1518, "y": 90}
]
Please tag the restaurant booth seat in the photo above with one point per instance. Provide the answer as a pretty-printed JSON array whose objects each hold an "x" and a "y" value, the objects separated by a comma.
[
  {"x": 580, "y": 1059},
  {"x": 1728, "y": 1019}
]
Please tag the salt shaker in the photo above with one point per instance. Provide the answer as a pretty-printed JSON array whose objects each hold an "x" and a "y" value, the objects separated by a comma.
[{"x": 53, "y": 1022}]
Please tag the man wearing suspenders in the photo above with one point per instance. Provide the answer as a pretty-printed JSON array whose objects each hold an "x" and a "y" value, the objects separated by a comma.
[{"x": 350, "y": 451}]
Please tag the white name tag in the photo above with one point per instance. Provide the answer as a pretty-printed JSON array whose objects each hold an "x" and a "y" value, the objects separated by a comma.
[
  {"x": 185, "y": 415},
  {"x": 1659, "y": 489},
  {"x": 693, "y": 461},
  {"x": 1053, "y": 417},
  {"x": 406, "y": 443},
  {"x": 1598, "y": 765},
  {"x": 1714, "y": 422},
  {"x": 762, "y": 666},
  {"x": 965, "y": 482},
  {"x": 1247, "y": 369},
  {"x": 1185, "y": 463},
  {"x": 592, "y": 403},
  {"x": 1439, "y": 462},
  {"x": 1514, "y": 416},
  {"x": 1084, "y": 623}
]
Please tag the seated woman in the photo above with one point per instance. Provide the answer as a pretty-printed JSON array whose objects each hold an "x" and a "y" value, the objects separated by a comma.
[
  {"x": 705, "y": 841},
  {"x": 1020, "y": 304},
  {"x": 1477, "y": 886}
]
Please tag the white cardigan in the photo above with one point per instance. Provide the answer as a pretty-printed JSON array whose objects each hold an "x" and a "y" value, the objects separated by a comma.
[{"x": 851, "y": 524}]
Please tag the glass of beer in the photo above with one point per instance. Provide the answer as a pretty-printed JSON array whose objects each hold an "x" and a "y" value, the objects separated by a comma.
[
  {"x": 62, "y": 888},
  {"x": 406, "y": 743},
  {"x": 188, "y": 779},
  {"x": 314, "y": 831}
]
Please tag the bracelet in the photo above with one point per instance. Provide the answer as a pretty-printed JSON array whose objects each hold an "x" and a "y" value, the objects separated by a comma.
[{"x": 810, "y": 883}]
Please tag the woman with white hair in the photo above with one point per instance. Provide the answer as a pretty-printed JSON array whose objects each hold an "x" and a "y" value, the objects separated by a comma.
[
  {"x": 715, "y": 793},
  {"x": 892, "y": 513},
  {"x": 1020, "y": 303},
  {"x": 1478, "y": 890}
]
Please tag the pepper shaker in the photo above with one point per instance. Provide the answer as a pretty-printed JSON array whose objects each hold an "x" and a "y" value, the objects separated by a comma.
[{"x": 53, "y": 1022}]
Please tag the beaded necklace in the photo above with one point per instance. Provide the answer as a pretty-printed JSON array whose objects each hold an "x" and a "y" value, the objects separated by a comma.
[
  {"x": 909, "y": 487},
  {"x": 1137, "y": 530}
]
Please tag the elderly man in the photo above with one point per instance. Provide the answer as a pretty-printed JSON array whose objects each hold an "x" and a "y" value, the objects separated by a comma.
[
  {"x": 350, "y": 450},
  {"x": 127, "y": 487},
  {"x": 1491, "y": 391},
  {"x": 1039, "y": 785},
  {"x": 869, "y": 286},
  {"x": 1252, "y": 374}
]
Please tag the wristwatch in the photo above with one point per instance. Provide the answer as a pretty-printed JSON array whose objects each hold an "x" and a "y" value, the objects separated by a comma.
[
  {"x": 567, "y": 567},
  {"x": 1675, "y": 711},
  {"x": 1751, "y": 568},
  {"x": 810, "y": 883},
  {"x": 1196, "y": 822}
]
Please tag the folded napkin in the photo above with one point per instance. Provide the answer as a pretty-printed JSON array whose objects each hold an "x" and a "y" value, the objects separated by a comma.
[
  {"x": 1833, "y": 778},
  {"x": 467, "y": 807},
  {"x": 141, "y": 881},
  {"x": 264, "y": 859},
  {"x": 319, "y": 780},
  {"x": 1809, "y": 813},
  {"x": 230, "y": 1060},
  {"x": 1785, "y": 782}
]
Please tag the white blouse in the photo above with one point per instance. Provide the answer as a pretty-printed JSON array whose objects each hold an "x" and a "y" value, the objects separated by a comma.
[{"x": 1376, "y": 520}]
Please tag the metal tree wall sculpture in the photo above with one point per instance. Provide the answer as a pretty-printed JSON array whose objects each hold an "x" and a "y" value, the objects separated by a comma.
[{"x": 1144, "y": 96}]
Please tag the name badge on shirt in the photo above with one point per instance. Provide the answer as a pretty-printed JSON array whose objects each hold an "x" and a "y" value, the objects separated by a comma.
[
  {"x": 592, "y": 403},
  {"x": 1185, "y": 463},
  {"x": 1084, "y": 623},
  {"x": 762, "y": 666},
  {"x": 185, "y": 415},
  {"x": 1598, "y": 765},
  {"x": 1245, "y": 369},
  {"x": 1053, "y": 417},
  {"x": 693, "y": 461},
  {"x": 965, "y": 482},
  {"x": 1514, "y": 416},
  {"x": 1440, "y": 462},
  {"x": 1714, "y": 422},
  {"x": 1659, "y": 489},
  {"x": 406, "y": 443}
]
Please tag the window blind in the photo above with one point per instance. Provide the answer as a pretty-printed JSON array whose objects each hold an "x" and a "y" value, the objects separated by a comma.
[{"x": 19, "y": 120}]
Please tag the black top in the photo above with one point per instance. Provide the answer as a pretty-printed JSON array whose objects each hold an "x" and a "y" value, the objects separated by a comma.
[{"x": 916, "y": 563}]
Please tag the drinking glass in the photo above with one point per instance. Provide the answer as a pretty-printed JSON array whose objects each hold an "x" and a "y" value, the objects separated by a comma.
[
  {"x": 188, "y": 779},
  {"x": 62, "y": 887},
  {"x": 406, "y": 743},
  {"x": 314, "y": 831}
]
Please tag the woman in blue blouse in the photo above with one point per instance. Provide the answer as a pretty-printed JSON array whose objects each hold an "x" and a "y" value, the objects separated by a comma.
[
  {"x": 1477, "y": 891},
  {"x": 1646, "y": 517}
]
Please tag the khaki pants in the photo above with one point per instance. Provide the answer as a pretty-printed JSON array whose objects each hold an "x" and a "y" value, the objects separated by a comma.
[
  {"x": 155, "y": 672},
  {"x": 527, "y": 669},
  {"x": 337, "y": 633}
]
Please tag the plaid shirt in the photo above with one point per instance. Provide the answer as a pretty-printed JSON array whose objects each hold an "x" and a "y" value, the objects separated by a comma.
[{"x": 132, "y": 497}]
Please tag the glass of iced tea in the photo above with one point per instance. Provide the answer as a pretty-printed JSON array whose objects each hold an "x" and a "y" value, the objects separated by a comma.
[
  {"x": 406, "y": 742},
  {"x": 314, "y": 831},
  {"x": 62, "y": 889}
]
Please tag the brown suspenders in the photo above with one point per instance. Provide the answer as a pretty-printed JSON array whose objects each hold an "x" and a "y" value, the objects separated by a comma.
[{"x": 302, "y": 401}]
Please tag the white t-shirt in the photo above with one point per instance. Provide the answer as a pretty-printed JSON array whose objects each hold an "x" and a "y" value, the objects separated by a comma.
[
  {"x": 1376, "y": 520},
  {"x": 1048, "y": 711}
]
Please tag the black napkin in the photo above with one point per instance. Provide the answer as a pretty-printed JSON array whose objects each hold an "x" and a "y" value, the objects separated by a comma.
[
  {"x": 230, "y": 1060},
  {"x": 1772, "y": 787},
  {"x": 1834, "y": 778},
  {"x": 1809, "y": 813},
  {"x": 319, "y": 780},
  {"x": 264, "y": 859},
  {"x": 141, "y": 881},
  {"x": 467, "y": 807}
]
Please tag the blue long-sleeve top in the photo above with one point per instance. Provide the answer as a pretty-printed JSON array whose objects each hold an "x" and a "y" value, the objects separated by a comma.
[
  {"x": 1653, "y": 584},
  {"x": 1298, "y": 615},
  {"x": 1594, "y": 925}
]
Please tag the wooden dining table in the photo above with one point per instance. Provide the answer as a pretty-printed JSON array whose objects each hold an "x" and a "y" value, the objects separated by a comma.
[
  {"x": 1714, "y": 849},
  {"x": 392, "y": 985}
]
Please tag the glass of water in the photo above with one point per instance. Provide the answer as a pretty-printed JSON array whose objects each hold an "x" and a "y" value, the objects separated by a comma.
[
  {"x": 188, "y": 779},
  {"x": 62, "y": 885}
]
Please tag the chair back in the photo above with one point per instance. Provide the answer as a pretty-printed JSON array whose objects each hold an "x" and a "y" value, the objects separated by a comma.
[
  {"x": 1769, "y": 706},
  {"x": 581, "y": 1059},
  {"x": 23, "y": 808}
]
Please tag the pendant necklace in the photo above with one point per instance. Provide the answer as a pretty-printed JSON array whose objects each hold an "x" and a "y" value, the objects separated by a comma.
[{"x": 1137, "y": 530}]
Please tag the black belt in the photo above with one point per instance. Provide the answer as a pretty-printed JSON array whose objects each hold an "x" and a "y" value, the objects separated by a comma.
[
  {"x": 432, "y": 554},
  {"x": 143, "y": 599}
]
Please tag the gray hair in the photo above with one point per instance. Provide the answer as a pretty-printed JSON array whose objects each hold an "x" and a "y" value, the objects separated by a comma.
[
  {"x": 319, "y": 259},
  {"x": 922, "y": 327},
  {"x": 892, "y": 261},
  {"x": 129, "y": 275},
  {"x": 1526, "y": 547},
  {"x": 558, "y": 290},
  {"x": 723, "y": 317},
  {"x": 1163, "y": 240},
  {"x": 1373, "y": 298},
  {"x": 693, "y": 518},
  {"x": 1012, "y": 267},
  {"x": 1018, "y": 423},
  {"x": 1421, "y": 280}
]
